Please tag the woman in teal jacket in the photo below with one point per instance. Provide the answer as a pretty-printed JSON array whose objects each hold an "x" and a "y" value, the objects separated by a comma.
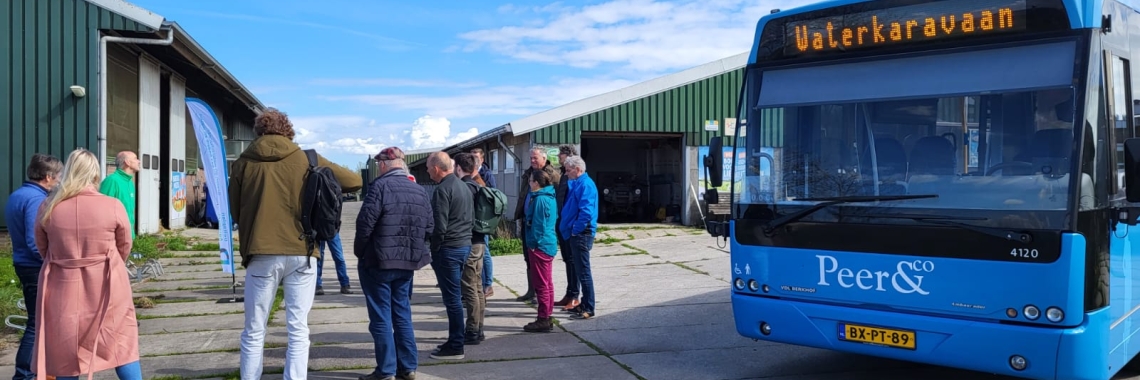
[{"x": 541, "y": 216}]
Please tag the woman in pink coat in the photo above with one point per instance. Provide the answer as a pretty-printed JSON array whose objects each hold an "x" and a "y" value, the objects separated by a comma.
[{"x": 86, "y": 315}]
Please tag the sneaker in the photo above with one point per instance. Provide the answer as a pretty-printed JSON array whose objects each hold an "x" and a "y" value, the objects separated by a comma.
[
  {"x": 345, "y": 290},
  {"x": 540, "y": 325},
  {"x": 320, "y": 291},
  {"x": 406, "y": 376},
  {"x": 374, "y": 376},
  {"x": 447, "y": 354},
  {"x": 582, "y": 315}
]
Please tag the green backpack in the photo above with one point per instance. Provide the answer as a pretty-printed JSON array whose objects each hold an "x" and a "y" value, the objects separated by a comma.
[{"x": 490, "y": 205}]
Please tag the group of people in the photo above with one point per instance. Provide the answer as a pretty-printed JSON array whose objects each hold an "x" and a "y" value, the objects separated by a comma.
[{"x": 72, "y": 234}]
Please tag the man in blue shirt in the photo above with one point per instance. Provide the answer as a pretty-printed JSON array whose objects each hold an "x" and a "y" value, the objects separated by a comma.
[
  {"x": 20, "y": 216},
  {"x": 578, "y": 221}
]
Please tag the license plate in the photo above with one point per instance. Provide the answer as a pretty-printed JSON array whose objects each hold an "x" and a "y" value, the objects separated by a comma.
[{"x": 877, "y": 335}]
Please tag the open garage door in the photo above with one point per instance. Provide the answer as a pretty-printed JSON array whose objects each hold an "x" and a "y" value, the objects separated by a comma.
[{"x": 639, "y": 176}]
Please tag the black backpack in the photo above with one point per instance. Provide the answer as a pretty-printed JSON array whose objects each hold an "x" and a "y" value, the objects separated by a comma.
[{"x": 320, "y": 208}]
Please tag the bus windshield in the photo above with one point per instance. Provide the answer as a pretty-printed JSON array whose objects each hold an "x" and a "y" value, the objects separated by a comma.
[{"x": 1006, "y": 154}]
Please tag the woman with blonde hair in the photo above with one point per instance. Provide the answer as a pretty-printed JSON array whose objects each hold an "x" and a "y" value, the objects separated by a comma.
[{"x": 85, "y": 312}]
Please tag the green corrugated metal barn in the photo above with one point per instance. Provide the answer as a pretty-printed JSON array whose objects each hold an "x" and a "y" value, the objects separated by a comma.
[
  {"x": 648, "y": 136},
  {"x": 50, "y": 100}
]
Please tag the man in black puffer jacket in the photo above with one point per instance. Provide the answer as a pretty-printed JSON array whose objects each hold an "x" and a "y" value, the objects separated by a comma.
[{"x": 392, "y": 230}]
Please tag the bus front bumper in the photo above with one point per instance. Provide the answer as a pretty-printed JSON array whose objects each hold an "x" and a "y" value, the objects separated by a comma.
[{"x": 1050, "y": 353}]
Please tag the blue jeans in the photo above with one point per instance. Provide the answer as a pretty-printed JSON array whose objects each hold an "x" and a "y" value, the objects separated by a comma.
[
  {"x": 448, "y": 266},
  {"x": 388, "y": 294},
  {"x": 488, "y": 277},
  {"x": 29, "y": 281},
  {"x": 129, "y": 371},
  {"x": 573, "y": 288},
  {"x": 580, "y": 245},
  {"x": 338, "y": 261}
]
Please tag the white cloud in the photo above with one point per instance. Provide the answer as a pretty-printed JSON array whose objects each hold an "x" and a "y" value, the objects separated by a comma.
[
  {"x": 435, "y": 132},
  {"x": 361, "y": 135},
  {"x": 641, "y": 35},
  {"x": 347, "y": 134},
  {"x": 505, "y": 101},
  {"x": 391, "y": 82}
]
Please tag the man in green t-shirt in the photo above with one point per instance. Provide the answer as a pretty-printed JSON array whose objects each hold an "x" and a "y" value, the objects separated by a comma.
[{"x": 121, "y": 184}]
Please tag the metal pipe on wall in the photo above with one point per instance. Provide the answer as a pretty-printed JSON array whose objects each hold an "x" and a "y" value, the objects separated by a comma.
[{"x": 102, "y": 135}]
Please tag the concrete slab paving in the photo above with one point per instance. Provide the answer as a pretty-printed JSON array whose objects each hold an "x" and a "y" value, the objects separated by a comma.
[
  {"x": 582, "y": 367},
  {"x": 189, "y": 308},
  {"x": 677, "y": 318},
  {"x": 186, "y": 324},
  {"x": 747, "y": 362},
  {"x": 664, "y": 338}
]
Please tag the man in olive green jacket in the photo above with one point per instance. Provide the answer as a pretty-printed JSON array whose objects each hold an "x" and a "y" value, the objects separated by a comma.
[
  {"x": 266, "y": 183},
  {"x": 121, "y": 184}
]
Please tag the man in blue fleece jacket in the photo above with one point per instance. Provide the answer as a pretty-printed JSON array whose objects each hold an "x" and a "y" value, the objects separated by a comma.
[{"x": 20, "y": 216}]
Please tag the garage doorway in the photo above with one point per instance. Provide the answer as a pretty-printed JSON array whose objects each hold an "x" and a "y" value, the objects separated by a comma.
[{"x": 640, "y": 177}]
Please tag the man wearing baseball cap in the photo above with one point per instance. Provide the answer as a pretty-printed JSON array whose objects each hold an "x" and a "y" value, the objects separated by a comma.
[{"x": 393, "y": 209}]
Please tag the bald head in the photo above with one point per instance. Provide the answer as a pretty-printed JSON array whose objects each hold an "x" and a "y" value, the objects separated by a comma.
[
  {"x": 127, "y": 161},
  {"x": 439, "y": 165}
]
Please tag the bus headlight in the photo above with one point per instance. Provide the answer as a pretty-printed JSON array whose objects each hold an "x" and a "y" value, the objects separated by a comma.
[
  {"x": 739, "y": 284},
  {"x": 1031, "y": 312},
  {"x": 1054, "y": 314},
  {"x": 637, "y": 192},
  {"x": 753, "y": 285}
]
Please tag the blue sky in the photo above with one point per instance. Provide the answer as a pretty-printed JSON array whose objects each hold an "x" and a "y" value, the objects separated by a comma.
[{"x": 358, "y": 75}]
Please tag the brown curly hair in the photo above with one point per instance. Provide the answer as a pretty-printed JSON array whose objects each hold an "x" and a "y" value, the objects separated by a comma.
[{"x": 273, "y": 122}]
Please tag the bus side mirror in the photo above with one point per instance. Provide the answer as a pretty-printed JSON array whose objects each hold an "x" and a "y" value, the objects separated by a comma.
[
  {"x": 1132, "y": 169},
  {"x": 714, "y": 162}
]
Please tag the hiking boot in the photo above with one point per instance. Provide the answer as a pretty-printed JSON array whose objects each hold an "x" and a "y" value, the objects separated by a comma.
[
  {"x": 320, "y": 291},
  {"x": 447, "y": 354},
  {"x": 540, "y": 325},
  {"x": 406, "y": 376},
  {"x": 529, "y": 296},
  {"x": 345, "y": 290}
]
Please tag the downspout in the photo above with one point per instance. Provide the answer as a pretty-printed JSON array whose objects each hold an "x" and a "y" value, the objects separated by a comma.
[
  {"x": 509, "y": 150},
  {"x": 102, "y": 136}
]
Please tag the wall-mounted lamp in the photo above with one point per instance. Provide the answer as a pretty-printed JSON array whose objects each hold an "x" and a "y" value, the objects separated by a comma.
[{"x": 78, "y": 91}]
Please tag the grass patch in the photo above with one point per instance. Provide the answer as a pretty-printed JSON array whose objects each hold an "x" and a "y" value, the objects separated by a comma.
[
  {"x": 635, "y": 249},
  {"x": 207, "y": 247},
  {"x": 691, "y": 268},
  {"x": 506, "y": 247},
  {"x": 10, "y": 290},
  {"x": 607, "y": 240}
]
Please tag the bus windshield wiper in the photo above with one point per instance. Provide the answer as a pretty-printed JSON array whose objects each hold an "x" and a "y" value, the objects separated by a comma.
[
  {"x": 949, "y": 221},
  {"x": 831, "y": 201}
]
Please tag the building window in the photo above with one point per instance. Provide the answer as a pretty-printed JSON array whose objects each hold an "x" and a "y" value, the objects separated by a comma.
[
  {"x": 493, "y": 160},
  {"x": 509, "y": 166}
]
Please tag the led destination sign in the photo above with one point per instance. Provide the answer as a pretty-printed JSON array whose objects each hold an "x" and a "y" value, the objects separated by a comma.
[{"x": 932, "y": 21}]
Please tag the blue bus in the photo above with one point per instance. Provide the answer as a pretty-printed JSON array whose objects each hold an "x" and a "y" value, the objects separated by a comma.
[{"x": 946, "y": 182}]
